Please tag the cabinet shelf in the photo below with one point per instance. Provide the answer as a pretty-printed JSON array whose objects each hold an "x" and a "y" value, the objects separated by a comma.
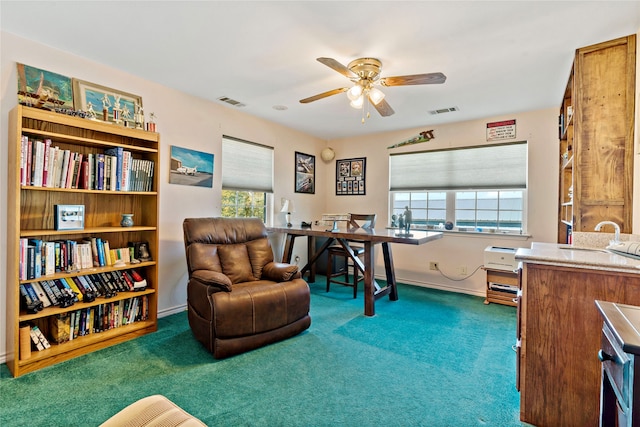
[
  {"x": 30, "y": 215},
  {"x": 92, "y": 270},
  {"x": 85, "y": 344},
  {"x": 564, "y": 133},
  {"x": 82, "y": 190},
  {"x": 90, "y": 231},
  {"x": 53, "y": 311},
  {"x": 62, "y": 138}
]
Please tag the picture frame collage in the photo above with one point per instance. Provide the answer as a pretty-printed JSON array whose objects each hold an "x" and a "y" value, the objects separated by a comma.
[{"x": 350, "y": 177}]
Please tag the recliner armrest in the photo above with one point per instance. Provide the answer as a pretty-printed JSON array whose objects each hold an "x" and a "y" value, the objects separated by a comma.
[
  {"x": 280, "y": 272},
  {"x": 213, "y": 278}
]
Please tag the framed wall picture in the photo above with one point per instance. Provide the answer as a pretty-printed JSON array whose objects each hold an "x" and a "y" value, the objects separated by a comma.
[
  {"x": 350, "y": 177},
  {"x": 68, "y": 217},
  {"x": 101, "y": 99},
  {"x": 44, "y": 89},
  {"x": 305, "y": 173},
  {"x": 191, "y": 167}
]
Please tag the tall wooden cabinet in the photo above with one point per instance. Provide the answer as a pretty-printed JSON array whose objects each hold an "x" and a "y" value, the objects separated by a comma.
[
  {"x": 596, "y": 138},
  {"x": 30, "y": 215}
]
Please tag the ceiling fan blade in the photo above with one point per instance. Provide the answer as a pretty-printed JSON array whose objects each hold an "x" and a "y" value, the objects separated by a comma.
[
  {"x": 323, "y": 95},
  {"x": 414, "y": 79},
  {"x": 332, "y": 63},
  {"x": 383, "y": 108}
]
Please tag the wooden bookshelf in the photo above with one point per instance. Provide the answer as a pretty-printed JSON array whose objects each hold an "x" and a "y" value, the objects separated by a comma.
[
  {"x": 596, "y": 138},
  {"x": 30, "y": 213}
]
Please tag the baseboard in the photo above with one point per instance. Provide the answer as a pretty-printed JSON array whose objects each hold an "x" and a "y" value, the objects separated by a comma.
[
  {"x": 438, "y": 286},
  {"x": 173, "y": 310}
]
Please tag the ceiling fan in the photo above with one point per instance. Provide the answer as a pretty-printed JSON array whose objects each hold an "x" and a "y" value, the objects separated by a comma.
[{"x": 365, "y": 75}]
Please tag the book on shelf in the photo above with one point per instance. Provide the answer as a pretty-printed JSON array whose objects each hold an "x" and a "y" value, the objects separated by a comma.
[
  {"x": 29, "y": 300},
  {"x": 45, "y": 162},
  {"x": 37, "y": 258},
  {"x": 38, "y": 339},
  {"x": 99, "y": 172},
  {"x": 41, "y": 294},
  {"x": 117, "y": 153},
  {"x": 24, "y": 141},
  {"x": 75, "y": 177}
]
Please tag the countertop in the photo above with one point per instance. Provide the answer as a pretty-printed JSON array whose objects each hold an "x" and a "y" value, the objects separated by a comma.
[{"x": 578, "y": 257}]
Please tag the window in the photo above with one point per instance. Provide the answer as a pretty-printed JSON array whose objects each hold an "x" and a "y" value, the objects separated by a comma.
[
  {"x": 247, "y": 179},
  {"x": 244, "y": 204},
  {"x": 479, "y": 188}
]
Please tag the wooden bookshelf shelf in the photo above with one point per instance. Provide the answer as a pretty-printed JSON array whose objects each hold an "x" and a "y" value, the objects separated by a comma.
[{"x": 30, "y": 216}]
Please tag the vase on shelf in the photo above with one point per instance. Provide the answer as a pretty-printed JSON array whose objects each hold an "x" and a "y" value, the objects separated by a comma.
[{"x": 127, "y": 220}]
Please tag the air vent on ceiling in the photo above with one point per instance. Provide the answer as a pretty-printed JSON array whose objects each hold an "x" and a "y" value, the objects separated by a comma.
[
  {"x": 231, "y": 101},
  {"x": 443, "y": 110}
]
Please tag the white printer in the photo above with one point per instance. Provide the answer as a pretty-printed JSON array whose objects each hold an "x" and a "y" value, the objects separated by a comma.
[{"x": 498, "y": 258}]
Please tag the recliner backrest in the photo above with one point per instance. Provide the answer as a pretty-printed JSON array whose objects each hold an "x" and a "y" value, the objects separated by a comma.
[{"x": 236, "y": 247}]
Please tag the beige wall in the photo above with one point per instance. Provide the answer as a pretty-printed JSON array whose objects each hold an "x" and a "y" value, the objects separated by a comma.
[
  {"x": 194, "y": 123},
  {"x": 456, "y": 250}
]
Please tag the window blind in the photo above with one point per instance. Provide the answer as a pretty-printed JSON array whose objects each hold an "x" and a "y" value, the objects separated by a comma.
[
  {"x": 486, "y": 167},
  {"x": 246, "y": 166}
]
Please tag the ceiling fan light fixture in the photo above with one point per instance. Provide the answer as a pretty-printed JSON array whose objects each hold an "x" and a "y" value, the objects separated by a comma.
[
  {"x": 355, "y": 92},
  {"x": 358, "y": 102},
  {"x": 376, "y": 95}
]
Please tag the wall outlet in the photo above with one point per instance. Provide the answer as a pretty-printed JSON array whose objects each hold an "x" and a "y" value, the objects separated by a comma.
[
  {"x": 434, "y": 265},
  {"x": 462, "y": 270}
]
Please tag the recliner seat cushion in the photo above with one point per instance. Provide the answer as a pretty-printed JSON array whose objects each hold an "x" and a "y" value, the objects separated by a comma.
[{"x": 252, "y": 309}]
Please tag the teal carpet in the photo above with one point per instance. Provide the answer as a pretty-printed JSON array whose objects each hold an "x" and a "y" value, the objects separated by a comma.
[{"x": 433, "y": 358}]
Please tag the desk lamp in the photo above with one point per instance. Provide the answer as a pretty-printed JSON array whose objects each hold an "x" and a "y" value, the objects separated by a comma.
[{"x": 288, "y": 208}]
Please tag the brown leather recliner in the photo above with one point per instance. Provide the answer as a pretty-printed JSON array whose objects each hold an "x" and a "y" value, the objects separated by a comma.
[{"x": 238, "y": 298}]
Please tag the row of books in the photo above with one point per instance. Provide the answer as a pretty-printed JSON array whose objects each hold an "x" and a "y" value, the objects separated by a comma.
[
  {"x": 89, "y": 320},
  {"x": 55, "y": 292},
  {"x": 43, "y": 258},
  {"x": 43, "y": 165}
]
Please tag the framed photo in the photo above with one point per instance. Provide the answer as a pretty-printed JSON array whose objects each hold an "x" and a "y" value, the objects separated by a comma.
[
  {"x": 104, "y": 99},
  {"x": 68, "y": 217},
  {"x": 42, "y": 88},
  {"x": 305, "y": 173},
  {"x": 350, "y": 177},
  {"x": 191, "y": 167},
  {"x": 140, "y": 250}
]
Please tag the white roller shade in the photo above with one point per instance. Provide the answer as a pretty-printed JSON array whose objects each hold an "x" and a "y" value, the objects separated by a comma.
[
  {"x": 246, "y": 166},
  {"x": 486, "y": 167}
]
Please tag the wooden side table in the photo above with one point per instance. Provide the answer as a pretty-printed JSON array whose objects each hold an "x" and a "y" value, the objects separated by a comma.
[
  {"x": 619, "y": 354},
  {"x": 502, "y": 277}
]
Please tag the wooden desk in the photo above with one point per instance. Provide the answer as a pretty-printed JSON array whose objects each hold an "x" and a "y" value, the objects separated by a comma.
[{"x": 369, "y": 237}]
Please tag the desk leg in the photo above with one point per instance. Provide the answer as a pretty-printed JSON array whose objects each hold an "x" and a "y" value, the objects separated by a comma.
[
  {"x": 288, "y": 248},
  {"x": 311, "y": 245},
  {"x": 390, "y": 271},
  {"x": 313, "y": 257},
  {"x": 369, "y": 289}
]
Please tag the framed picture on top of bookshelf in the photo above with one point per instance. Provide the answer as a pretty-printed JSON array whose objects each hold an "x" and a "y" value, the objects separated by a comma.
[
  {"x": 68, "y": 217},
  {"x": 104, "y": 101}
]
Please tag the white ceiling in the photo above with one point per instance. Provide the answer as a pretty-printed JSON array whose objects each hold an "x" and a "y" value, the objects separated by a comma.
[{"x": 500, "y": 57}]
